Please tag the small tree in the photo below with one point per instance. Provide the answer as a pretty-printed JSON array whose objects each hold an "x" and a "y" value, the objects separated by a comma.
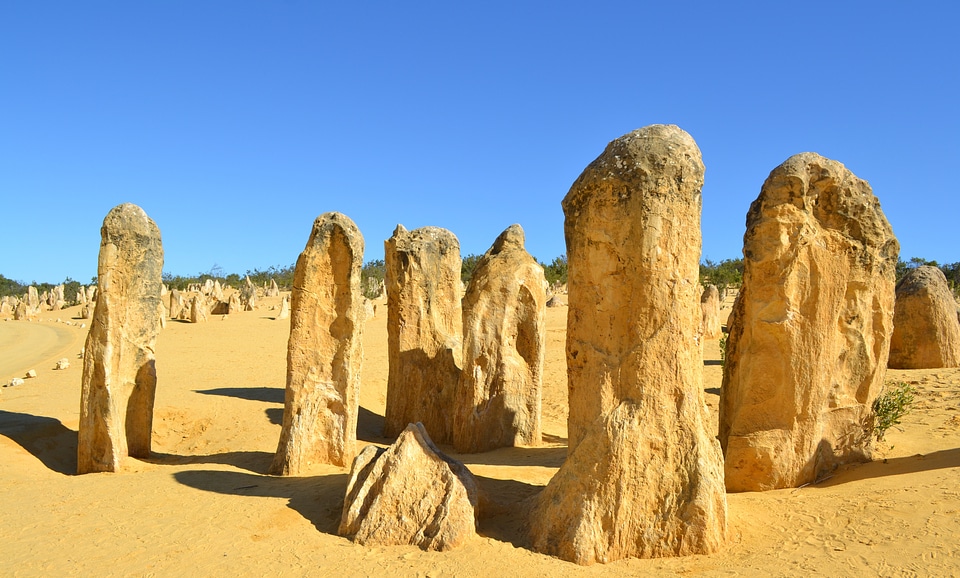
[{"x": 556, "y": 271}]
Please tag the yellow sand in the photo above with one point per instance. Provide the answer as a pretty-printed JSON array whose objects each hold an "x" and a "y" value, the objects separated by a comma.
[{"x": 202, "y": 506}]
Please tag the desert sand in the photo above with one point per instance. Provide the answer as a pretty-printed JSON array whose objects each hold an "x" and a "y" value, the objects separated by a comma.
[{"x": 203, "y": 506}]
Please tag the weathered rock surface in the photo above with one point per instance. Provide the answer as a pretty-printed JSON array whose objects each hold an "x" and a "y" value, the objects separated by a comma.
[
  {"x": 233, "y": 303},
  {"x": 198, "y": 309},
  {"x": 325, "y": 350},
  {"x": 710, "y": 309},
  {"x": 176, "y": 304},
  {"x": 119, "y": 375},
  {"x": 248, "y": 295},
  {"x": 643, "y": 476},
  {"x": 424, "y": 330},
  {"x": 33, "y": 301},
  {"x": 499, "y": 396},
  {"x": 20, "y": 312},
  {"x": 809, "y": 334},
  {"x": 409, "y": 494},
  {"x": 284, "y": 308},
  {"x": 926, "y": 333}
]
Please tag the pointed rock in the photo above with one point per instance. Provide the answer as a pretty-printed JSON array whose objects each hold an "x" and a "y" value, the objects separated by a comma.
[
  {"x": 410, "y": 493},
  {"x": 119, "y": 375},
  {"x": 325, "y": 350},
  {"x": 500, "y": 391}
]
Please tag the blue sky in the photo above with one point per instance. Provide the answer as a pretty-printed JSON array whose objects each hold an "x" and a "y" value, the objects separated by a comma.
[{"x": 235, "y": 124}]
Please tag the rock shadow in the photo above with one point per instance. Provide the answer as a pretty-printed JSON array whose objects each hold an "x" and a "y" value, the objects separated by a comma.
[
  {"x": 257, "y": 462},
  {"x": 544, "y": 456},
  {"x": 319, "y": 499},
  {"x": 264, "y": 394},
  {"x": 275, "y": 415},
  {"x": 712, "y": 362},
  {"x": 942, "y": 459},
  {"x": 54, "y": 444},
  {"x": 712, "y": 390},
  {"x": 504, "y": 507},
  {"x": 370, "y": 427}
]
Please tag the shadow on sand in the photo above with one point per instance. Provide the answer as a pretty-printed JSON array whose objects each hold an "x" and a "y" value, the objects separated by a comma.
[
  {"x": 256, "y": 462},
  {"x": 938, "y": 460},
  {"x": 54, "y": 444},
  {"x": 504, "y": 506},
  {"x": 264, "y": 394},
  {"x": 319, "y": 499}
]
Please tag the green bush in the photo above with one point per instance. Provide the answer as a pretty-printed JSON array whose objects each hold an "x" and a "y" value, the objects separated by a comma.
[{"x": 890, "y": 406}]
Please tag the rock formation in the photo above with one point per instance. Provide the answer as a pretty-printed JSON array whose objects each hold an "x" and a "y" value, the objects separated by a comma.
[
  {"x": 926, "y": 333},
  {"x": 809, "y": 333},
  {"x": 176, "y": 304},
  {"x": 32, "y": 299},
  {"x": 424, "y": 328},
  {"x": 710, "y": 309},
  {"x": 410, "y": 493},
  {"x": 20, "y": 311},
  {"x": 233, "y": 303},
  {"x": 119, "y": 377},
  {"x": 500, "y": 390},
  {"x": 273, "y": 290},
  {"x": 643, "y": 476},
  {"x": 248, "y": 295},
  {"x": 217, "y": 291},
  {"x": 284, "y": 308},
  {"x": 325, "y": 351},
  {"x": 198, "y": 309}
]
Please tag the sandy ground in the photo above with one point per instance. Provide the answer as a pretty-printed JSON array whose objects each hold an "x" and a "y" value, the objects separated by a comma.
[{"x": 202, "y": 505}]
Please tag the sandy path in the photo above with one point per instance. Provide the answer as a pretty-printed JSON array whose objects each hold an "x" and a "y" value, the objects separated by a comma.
[{"x": 23, "y": 346}]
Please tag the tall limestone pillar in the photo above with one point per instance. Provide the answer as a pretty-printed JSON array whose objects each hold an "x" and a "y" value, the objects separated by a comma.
[
  {"x": 499, "y": 397},
  {"x": 119, "y": 374},
  {"x": 643, "y": 476},
  {"x": 424, "y": 330},
  {"x": 810, "y": 330},
  {"x": 325, "y": 350}
]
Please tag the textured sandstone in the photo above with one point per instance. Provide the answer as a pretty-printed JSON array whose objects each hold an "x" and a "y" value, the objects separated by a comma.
[
  {"x": 643, "y": 476},
  {"x": 424, "y": 329},
  {"x": 177, "y": 304},
  {"x": 810, "y": 329},
  {"x": 198, "y": 309},
  {"x": 499, "y": 396},
  {"x": 284, "y": 308},
  {"x": 119, "y": 376},
  {"x": 710, "y": 308},
  {"x": 248, "y": 295},
  {"x": 325, "y": 350},
  {"x": 409, "y": 494},
  {"x": 926, "y": 333}
]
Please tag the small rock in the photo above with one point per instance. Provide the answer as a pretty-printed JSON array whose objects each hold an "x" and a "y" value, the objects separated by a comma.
[
  {"x": 63, "y": 363},
  {"x": 31, "y": 373},
  {"x": 15, "y": 382}
]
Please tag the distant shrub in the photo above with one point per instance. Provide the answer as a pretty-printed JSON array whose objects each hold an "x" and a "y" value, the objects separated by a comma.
[
  {"x": 890, "y": 406},
  {"x": 556, "y": 271}
]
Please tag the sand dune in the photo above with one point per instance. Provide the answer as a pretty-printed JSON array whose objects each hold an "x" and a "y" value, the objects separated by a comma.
[{"x": 202, "y": 506}]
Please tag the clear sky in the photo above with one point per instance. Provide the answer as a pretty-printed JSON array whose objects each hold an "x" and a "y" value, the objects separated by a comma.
[{"x": 234, "y": 124}]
